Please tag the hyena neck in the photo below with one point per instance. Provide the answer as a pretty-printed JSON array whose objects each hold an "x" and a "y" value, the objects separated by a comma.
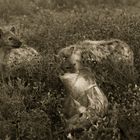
[
  {"x": 85, "y": 71},
  {"x": 88, "y": 75},
  {"x": 4, "y": 51}
]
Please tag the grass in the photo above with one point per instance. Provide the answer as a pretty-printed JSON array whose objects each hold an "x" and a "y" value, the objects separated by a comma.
[{"x": 31, "y": 107}]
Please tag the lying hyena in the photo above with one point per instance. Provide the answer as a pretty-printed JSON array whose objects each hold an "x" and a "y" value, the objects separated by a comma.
[
  {"x": 8, "y": 41},
  {"x": 85, "y": 101},
  {"x": 12, "y": 54},
  {"x": 116, "y": 51}
]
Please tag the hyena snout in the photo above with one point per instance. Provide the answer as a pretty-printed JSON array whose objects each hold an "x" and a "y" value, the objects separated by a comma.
[
  {"x": 16, "y": 43},
  {"x": 67, "y": 67}
]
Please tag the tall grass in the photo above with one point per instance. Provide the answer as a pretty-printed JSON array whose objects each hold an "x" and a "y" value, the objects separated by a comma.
[{"x": 31, "y": 104}]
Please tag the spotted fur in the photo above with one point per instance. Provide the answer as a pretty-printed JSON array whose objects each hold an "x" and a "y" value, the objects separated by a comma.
[{"x": 24, "y": 55}]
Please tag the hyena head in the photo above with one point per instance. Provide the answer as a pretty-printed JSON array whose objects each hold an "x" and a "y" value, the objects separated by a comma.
[
  {"x": 70, "y": 59},
  {"x": 8, "y": 38}
]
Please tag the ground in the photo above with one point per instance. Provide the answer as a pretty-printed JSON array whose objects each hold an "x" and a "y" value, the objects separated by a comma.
[{"x": 31, "y": 105}]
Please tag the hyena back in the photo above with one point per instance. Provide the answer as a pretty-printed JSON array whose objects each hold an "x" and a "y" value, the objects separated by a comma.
[{"x": 22, "y": 56}]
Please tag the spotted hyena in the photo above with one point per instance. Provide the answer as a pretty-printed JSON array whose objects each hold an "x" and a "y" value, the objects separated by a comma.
[
  {"x": 84, "y": 100},
  {"x": 116, "y": 51},
  {"x": 8, "y": 41}
]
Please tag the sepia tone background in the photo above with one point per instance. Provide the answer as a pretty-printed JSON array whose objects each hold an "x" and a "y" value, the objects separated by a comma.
[{"x": 31, "y": 106}]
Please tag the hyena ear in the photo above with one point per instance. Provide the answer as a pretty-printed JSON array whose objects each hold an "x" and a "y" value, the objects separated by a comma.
[
  {"x": 13, "y": 29},
  {"x": 71, "y": 50},
  {"x": 1, "y": 32}
]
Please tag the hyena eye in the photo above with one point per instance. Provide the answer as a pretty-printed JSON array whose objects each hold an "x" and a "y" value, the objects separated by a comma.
[{"x": 10, "y": 38}]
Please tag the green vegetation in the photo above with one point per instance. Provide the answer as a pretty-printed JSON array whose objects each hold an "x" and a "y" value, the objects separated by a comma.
[{"x": 31, "y": 106}]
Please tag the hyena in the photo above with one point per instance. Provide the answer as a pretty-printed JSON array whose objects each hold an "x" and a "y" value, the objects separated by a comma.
[
  {"x": 84, "y": 100},
  {"x": 8, "y": 41},
  {"x": 116, "y": 51},
  {"x": 14, "y": 54}
]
